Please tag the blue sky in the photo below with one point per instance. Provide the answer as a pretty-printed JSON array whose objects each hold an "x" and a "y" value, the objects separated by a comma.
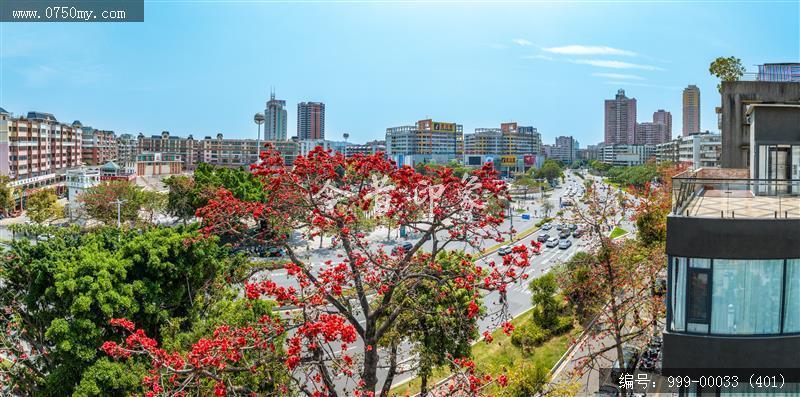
[{"x": 207, "y": 67}]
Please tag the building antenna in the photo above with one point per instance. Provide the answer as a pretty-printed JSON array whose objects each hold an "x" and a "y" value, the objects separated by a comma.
[{"x": 272, "y": 92}]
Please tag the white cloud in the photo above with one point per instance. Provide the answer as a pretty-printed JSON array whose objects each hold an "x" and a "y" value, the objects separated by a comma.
[
  {"x": 619, "y": 76},
  {"x": 614, "y": 64},
  {"x": 539, "y": 56},
  {"x": 522, "y": 42},
  {"x": 588, "y": 50}
]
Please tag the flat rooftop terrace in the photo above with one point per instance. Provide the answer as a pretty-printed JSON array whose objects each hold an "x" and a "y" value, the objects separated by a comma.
[{"x": 729, "y": 193}]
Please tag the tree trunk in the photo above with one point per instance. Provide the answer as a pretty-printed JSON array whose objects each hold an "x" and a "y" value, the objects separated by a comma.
[
  {"x": 387, "y": 384},
  {"x": 423, "y": 386},
  {"x": 370, "y": 373}
]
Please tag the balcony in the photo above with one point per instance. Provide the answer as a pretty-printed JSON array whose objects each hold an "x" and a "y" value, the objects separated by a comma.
[{"x": 730, "y": 193}]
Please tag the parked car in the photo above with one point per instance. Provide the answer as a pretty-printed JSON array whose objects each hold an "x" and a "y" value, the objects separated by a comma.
[
  {"x": 630, "y": 357},
  {"x": 504, "y": 250},
  {"x": 402, "y": 248},
  {"x": 577, "y": 233},
  {"x": 564, "y": 233},
  {"x": 543, "y": 238},
  {"x": 607, "y": 391},
  {"x": 564, "y": 244},
  {"x": 559, "y": 226},
  {"x": 573, "y": 227},
  {"x": 547, "y": 226},
  {"x": 553, "y": 242}
]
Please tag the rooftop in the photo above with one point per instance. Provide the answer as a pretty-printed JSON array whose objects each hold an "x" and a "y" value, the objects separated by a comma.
[{"x": 730, "y": 193}]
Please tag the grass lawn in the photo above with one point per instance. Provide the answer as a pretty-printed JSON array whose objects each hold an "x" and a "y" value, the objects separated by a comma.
[
  {"x": 493, "y": 357},
  {"x": 618, "y": 231}
]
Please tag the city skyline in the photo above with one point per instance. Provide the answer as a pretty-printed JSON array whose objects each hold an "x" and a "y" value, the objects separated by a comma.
[{"x": 133, "y": 80}]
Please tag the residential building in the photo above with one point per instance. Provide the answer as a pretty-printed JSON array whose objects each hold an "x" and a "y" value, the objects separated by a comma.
[
  {"x": 227, "y": 152},
  {"x": 187, "y": 149},
  {"x": 648, "y": 133},
  {"x": 733, "y": 248},
  {"x": 668, "y": 151},
  {"x": 127, "y": 149},
  {"x": 97, "y": 146},
  {"x": 700, "y": 150},
  {"x": 662, "y": 116},
  {"x": 37, "y": 146},
  {"x": 565, "y": 150},
  {"x": 78, "y": 180},
  {"x": 427, "y": 141},
  {"x": 786, "y": 72},
  {"x": 626, "y": 155},
  {"x": 591, "y": 152},
  {"x": 735, "y": 126},
  {"x": 275, "y": 119},
  {"x": 620, "y": 119},
  {"x": 310, "y": 120},
  {"x": 691, "y": 110}
]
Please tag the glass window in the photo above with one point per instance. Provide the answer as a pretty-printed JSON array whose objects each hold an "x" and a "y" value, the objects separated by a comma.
[
  {"x": 700, "y": 263},
  {"x": 678, "y": 295},
  {"x": 698, "y": 297},
  {"x": 791, "y": 319},
  {"x": 746, "y": 297}
]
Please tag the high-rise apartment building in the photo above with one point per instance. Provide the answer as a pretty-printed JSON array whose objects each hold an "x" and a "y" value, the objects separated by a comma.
[
  {"x": 620, "y": 119},
  {"x": 650, "y": 133},
  {"x": 691, "y": 110},
  {"x": 310, "y": 120},
  {"x": 275, "y": 119},
  {"x": 509, "y": 148},
  {"x": 662, "y": 116},
  {"x": 565, "y": 150}
]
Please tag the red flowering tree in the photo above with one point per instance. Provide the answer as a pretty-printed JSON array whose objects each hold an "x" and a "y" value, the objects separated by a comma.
[{"x": 344, "y": 310}]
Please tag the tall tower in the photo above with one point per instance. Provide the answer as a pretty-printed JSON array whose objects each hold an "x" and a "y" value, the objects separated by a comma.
[
  {"x": 275, "y": 115},
  {"x": 664, "y": 117},
  {"x": 691, "y": 110},
  {"x": 310, "y": 120},
  {"x": 620, "y": 120}
]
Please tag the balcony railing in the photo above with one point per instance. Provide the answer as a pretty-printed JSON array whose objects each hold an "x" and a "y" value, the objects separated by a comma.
[{"x": 722, "y": 193}]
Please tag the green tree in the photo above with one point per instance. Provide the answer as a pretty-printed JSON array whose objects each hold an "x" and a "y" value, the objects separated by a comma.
[
  {"x": 550, "y": 170},
  {"x": 546, "y": 307},
  {"x": 438, "y": 327},
  {"x": 6, "y": 195},
  {"x": 42, "y": 206},
  {"x": 726, "y": 69},
  {"x": 100, "y": 201},
  {"x": 184, "y": 197},
  {"x": 60, "y": 294}
]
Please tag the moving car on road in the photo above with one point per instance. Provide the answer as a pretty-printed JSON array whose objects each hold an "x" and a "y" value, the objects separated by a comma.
[
  {"x": 630, "y": 357},
  {"x": 543, "y": 238},
  {"x": 564, "y": 244},
  {"x": 547, "y": 226},
  {"x": 552, "y": 242},
  {"x": 504, "y": 250},
  {"x": 564, "y": 233},
  {"x": 405, "y": 248}
]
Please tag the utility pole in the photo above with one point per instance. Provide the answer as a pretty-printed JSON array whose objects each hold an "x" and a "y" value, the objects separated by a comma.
[{"x": 119, "y": 203}]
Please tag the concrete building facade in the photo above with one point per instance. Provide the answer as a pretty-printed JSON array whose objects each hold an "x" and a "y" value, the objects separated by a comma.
[
  {"x": 310, "y": 120},
  {"x": 691, "y": 110},
  {"x": 620, "y": 119},
  {"x": 275, "y": 119},
  {"x": 427, "y": 141}
]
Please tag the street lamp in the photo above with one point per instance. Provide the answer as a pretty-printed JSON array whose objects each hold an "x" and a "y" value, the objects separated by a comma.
[
  {"x": 258, "y": 119},
  {"x": 119, "y": 203}
]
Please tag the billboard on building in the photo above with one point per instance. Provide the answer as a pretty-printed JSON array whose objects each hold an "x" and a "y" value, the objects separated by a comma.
[
  {"x": 443, "y": 127},
  {"x": 529, "y": 159},
  {"x": 508, "y": 160}
]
